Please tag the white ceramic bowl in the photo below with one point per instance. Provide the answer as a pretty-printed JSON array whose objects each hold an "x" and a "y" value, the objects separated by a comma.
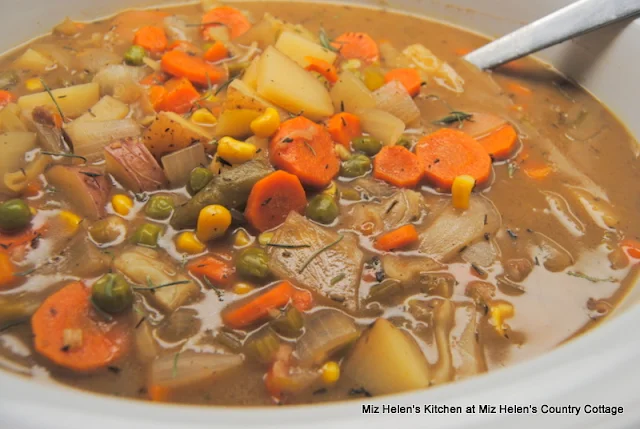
[{"x": 599, "y": 368}]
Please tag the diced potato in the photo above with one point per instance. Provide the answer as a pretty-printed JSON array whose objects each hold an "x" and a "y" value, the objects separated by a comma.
[
  {"x": 286, "y": 84},
  {"x": 250, "y": 76},
  {"x": 86, "y": 188},
  {"x": 33, "y": 61},
  {"x": 349, "y": 94},
  {"x": 144, "y": 266},
  {"x": 170, "y": 132},
  {"x": 298, "y": 48},
  {"x": 236, "y": 123},
  {"x": 381, "y": 125},
  {"x": 10, "y": 119},
  {"x": 242, "y": 96},
  {"x": 265, "y": 32},
  {"x": 133, "y": 166},
  {"x": 386, "y": 360},
  {"x": 13, "y": 146},
  {"x": 107, "y": 109},
  {"x": 90, "y": 137},
  {"x": 73, "y": 100}
]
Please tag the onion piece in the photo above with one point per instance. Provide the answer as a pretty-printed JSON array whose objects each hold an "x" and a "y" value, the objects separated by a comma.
[
  {"x": 189, "y": 368},
  {"x": 483, "y": 253},
  {"x": 349, "y": 93},
  {"x": 453, "y": 229},
  {"x": 90, "y": 138},
  {"x": 121, "y": 82},
  {"x": 13, "y": 147},
  {"x": 131, "y": 164},
  {"x": 18, "y": 180},
  {"x": 10, "y": 119},
  {"x": 178, "y": 165},
  {"x": 146, "y": 345},
  {"x": 393, "y": 98},
  {"x": 177, "y": 28},
  {"x": 467, "y": 348},
  {"x": 326, "y": 332},
  {"x": 440, "y": 71},
  {"x": 381, "y": 125}
]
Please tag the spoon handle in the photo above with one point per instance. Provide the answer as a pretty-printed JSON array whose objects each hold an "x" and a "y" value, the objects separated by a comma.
[{"x": 571, "y": 21}]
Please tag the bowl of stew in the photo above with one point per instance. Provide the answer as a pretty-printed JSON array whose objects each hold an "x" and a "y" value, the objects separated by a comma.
[{"x": 209, "y": 209}]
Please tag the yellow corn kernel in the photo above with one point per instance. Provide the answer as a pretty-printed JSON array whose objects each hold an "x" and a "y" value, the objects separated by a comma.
[
  {"x": 213, "y": 222},
  {"x": 330, "y": 372},
  {"x": 500, "y": 311},
  {"x": 121, "y": 204},
  {"x": 331, "y": 190},
  {"x": 187, "y": 242},
  {"x": 71, "y": 220},
  {"x": 33, "y": 84},
  {"x": 265, "y": 238},
  {"x": 342, "y": 152},
  {"x": 242, "y": 288},
  {"x": 234, "y": 151},
  {"x": 266, "y": 124},
  {"x": 241, "y": 238},
  {"x": 373, "y": 79},
  {"x": 203, "y": 117},
  {"x": 461, "y": 191}
]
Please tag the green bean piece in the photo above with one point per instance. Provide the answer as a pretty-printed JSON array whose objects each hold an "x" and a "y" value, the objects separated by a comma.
[
  {"x": 357, "y": 165},
  {"x": 288, "y": 323},
  {"x": 262, "y": 346},
  {"x": 108, "y": 229},
  {"x": 112, "y": 293},
  {"x": 322, "y": 209},
  {"x": 367, "y": 145},
  {"x": 147, "y": 235},
  {"x": 135, "y": 55},
  {"x": 14, "y": 215},
  {"x": 159, "y": 207},
  {"x": 253, "y": 263},
  {"x": 198, "y": 179}
]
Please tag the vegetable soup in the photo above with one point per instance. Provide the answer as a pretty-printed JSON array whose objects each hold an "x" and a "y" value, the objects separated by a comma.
[{"x": 285, "y": 203}]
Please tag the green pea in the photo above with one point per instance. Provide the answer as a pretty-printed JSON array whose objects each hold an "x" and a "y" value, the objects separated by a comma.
[
  {"x": 198, "y": 179},
  {"x": 159, "y": 207},
  {"x": 322, "y": 208},
  {"x": 367, "y": 145},
  {"x": 356, "y": 165},
  {"x": 147, "y": 235},
  {"x": 112, "y": 293},
  {"x": 135, "y": 55},
  {"x": 14, "y": 215},
  {"x": 108, "y": 229},
  {"x": 404, "y": 142},
  {"x": 253, "y": 263}
]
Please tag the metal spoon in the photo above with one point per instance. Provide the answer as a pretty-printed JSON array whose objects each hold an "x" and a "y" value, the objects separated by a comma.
[{"x": 571, "y": 21}]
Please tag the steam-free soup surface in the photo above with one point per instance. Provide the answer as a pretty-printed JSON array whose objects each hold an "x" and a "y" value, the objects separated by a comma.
[{"x": 281, "y": 203}]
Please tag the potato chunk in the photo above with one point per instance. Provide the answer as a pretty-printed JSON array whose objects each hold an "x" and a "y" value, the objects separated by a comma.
[
  {"x": 170, "y": 132},
  {"x": 386, "y": 360},
  {"x": 73, "y": 100},
  {"x": 299, "y": 48},
  {"x": 286, "y": 84}
]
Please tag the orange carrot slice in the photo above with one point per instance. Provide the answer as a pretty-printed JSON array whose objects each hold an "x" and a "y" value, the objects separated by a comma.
[
  {"x": 273, "y": 198},
  {"x": 305, "y": 149},
  {"x": 7, "y": 271},
  {"x": 398, "y": 166},
  {"x": 102, "y": 341},
  {"x": 357, "y": 46},
  {"x": 6, "y": 97},
  {"x": 232, "y": 18},
  {"x": 501, "y": 143},
  {"x": 181, "y": 64},
  {"x": 409, "y": 78},
  {"x": 178, "y": 97},
  {"x": 397, "y": 239},
  {"x": 344, "y": 127},
  {"x": 217, "y": 271},
  {"x": 151, "y": 38},
  {"x": 216, "y": 52},
  {"x": 449, "y": 153},
  {"x": 323, "y": 67},
  {"x": 257, "y": 306}
]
